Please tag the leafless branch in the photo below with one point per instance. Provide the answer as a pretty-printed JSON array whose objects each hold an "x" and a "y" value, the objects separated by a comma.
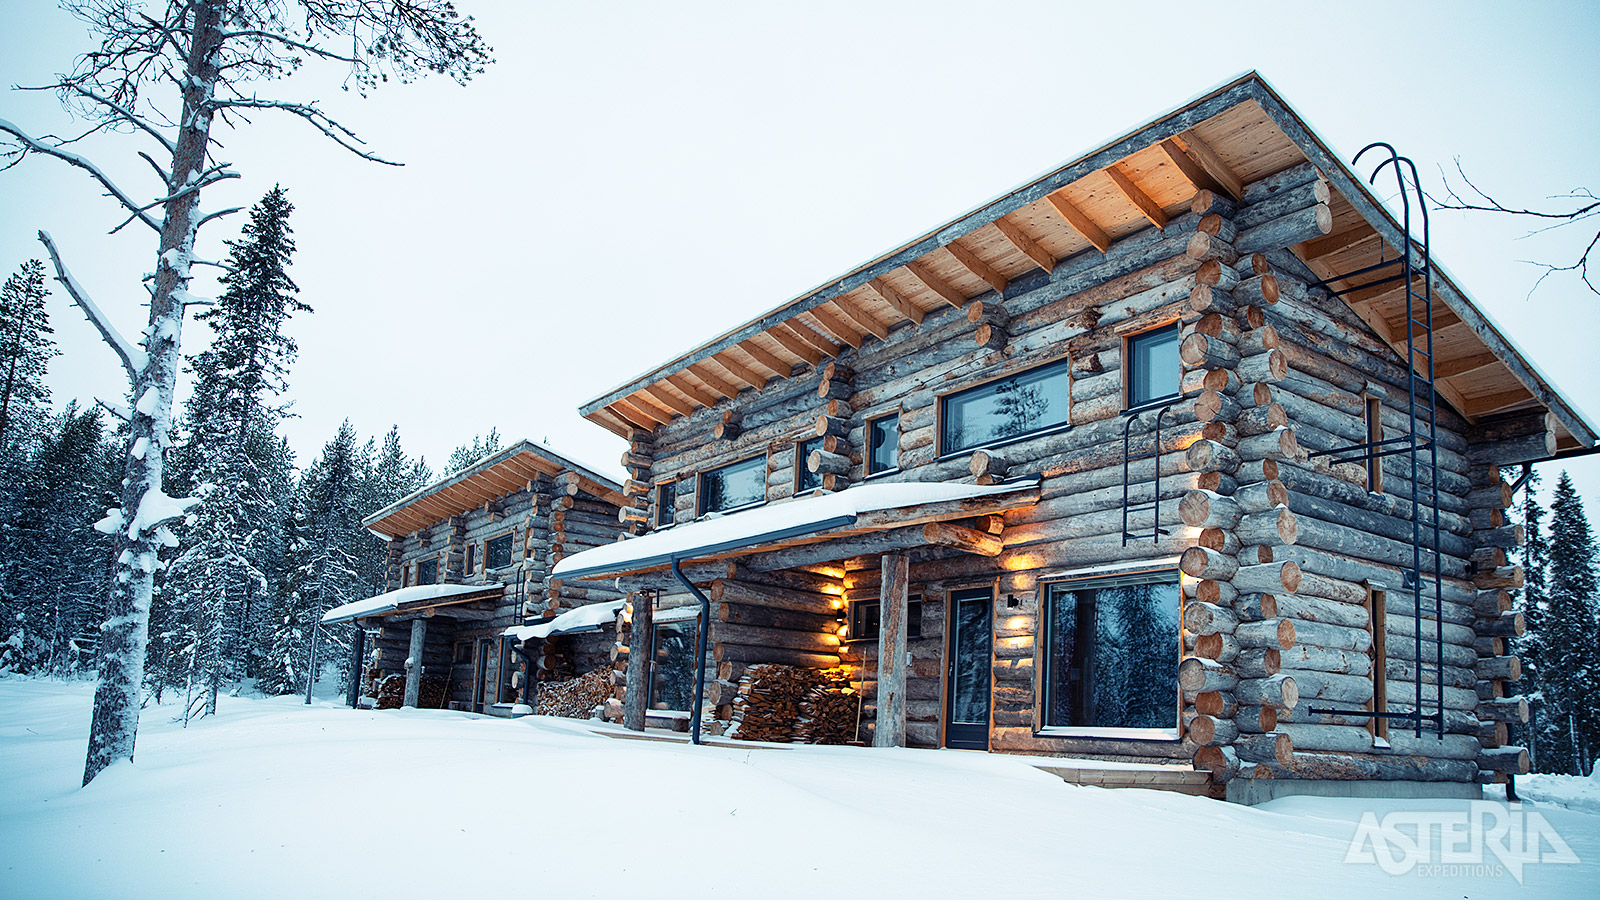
[
  {"x": 318, "y": 52},
  {"x": 93, "y": 170},
  {"x": 316, "y": 118},
  {"x": 133, "y": 358},
  {"x": 216, "y": 215},
  {"x": 117, "y": 410}
]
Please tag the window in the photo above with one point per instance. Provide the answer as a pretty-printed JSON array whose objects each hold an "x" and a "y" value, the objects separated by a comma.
[
  {"x": 805, "y": 479},
  {"x": 672, "y": 662},
  {"x": 461, "y": 653},
  {"x": 1151, "y": 370},
  {"x": 666, "y": 503},
  {"x": 428, "y": 571},
  {"x": 1006, "y": 409},
  {"x": 866, "y": 619},
  {"x": 1374, "y": 437},
  {"x": 1377, "y": 621},
  {"x": 883, "y": 445},
  {"x": 735, "y": 485},
  {"x": 472, "y": 560},
  {"x": 510, "y": 664},
  {"x": 405, "y": 577},
  {"x": 1111, "y": 653},
  {"x": 497, "y": 552}
]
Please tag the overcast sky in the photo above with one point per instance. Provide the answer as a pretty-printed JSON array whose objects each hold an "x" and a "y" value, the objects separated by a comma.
[{"x": 631, "y": 179}]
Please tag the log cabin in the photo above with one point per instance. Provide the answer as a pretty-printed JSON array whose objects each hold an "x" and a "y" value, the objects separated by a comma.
[
  {"x": 1184, "y": 457},
  {"x": 467, "y": 560}
]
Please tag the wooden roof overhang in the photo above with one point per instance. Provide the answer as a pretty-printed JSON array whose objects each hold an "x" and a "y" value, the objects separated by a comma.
[
  {"x": 878, "y": 531},
  {"x": 501, "y": 473},
  {"x": 461, "y": 605},
  {"x": 1233, "y": 136}
]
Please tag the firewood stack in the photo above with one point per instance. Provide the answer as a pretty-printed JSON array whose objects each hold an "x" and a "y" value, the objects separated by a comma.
[
  {"x": 391, "y": 692},
  {"x": 789, "y": 704},
  {"x": 583, "y": 697}
]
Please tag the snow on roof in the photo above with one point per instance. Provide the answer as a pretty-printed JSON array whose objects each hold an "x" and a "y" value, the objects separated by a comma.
[
  {"x": 393, "y": 600},
  {"x": 774, "y": 521},
  {"x": 584, "y": 618}
]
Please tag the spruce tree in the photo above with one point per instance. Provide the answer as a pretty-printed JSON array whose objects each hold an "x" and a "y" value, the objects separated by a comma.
[
  {"x": 1535, "y": 606},
  {"x": 465, "y": 455},
  {"x": 25, "y": 349},
  {"x": 1569, "y": 650}
]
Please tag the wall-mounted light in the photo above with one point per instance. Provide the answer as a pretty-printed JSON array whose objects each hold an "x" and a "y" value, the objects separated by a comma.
[{"x": 1012, "y": 602}]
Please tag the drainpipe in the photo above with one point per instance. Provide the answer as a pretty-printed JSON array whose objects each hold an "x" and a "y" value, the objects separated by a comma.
[{"x": 700, "y": 652}]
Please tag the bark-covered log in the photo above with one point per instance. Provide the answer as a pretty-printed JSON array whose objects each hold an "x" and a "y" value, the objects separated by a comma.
[
  {"x": 1208, "y": 618},
  {"x": 1208, "y": 731},
  {"x": 1280, "y": 633},
  {"x": 1274, "y": 747},
  {"x": 1279, "y": 692},
  {"x": 1287, "y": 230},
  {"x": 1210, "y": 456},
  {"x": 1205, "y": 509},
  {"x": 1196, "y": 675}
]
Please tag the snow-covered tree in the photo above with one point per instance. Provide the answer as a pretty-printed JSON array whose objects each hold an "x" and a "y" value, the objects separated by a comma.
[
  {"x": 1567, "y": 632},
  {"x": 173, "y": 76},
  {"x": 331, "y": 539},
  {"x": 465, "y": 455},
  {"x": 25, "y": 349}
]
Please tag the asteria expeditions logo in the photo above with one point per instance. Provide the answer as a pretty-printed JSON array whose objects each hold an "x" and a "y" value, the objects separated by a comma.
[{"x": 1488, "y": 839}]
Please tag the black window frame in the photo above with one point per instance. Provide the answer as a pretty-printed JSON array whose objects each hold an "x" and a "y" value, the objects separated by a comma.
[
  {"x": 862, "y": 628},
  {"x": 666, "y": 496},
  {"x": 1064, "y": 364},
  {"x": 870, "y": 461},
  {"x": 700, "y": 486},
  {"x": 802, "y": 474},
  {"x": 432, "y": 563},
  {"x": 1129, "y": 403},
  {"x": 1048, "y": 683},
  {"x": 470, "y": 565},
  {"x": 489, "y": 552},
  {"x": 692, "y": 626}
]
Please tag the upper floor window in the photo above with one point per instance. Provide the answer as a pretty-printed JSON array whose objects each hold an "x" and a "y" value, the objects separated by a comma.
[
  {"x": 883, "y": 445},
  {"x": 1374, "y": 439},
  {"x": 734, "y": 485},
  {"x": 1151, "y": 370},
  {"x": 666, "y": 503},
  {"x": 805, "y": 479},
  {"x": 428, "y": 571},
  {"x": 497, "y": 552},
  {"x": 1006, "y": 409}
]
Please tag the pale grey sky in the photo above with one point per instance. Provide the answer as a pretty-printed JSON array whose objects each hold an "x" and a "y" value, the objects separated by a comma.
[{"x": 631, "y": 179}]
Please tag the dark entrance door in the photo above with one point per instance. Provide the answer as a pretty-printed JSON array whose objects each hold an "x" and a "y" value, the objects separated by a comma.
[
  {"x": 966, "y": 704},
  {"x": 486, "y": 678}
]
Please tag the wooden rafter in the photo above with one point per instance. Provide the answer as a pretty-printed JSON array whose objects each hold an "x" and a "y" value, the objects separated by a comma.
[
  {"x": 1079, "y": 221},
  {"x": 977, "y": 266},
  {"x": 1482, "y": 406},
  {"x": 1337, "y": 242},
  {"x": 892, "y": 297},
  {"x": 1442, "y": 319},
  {"x": 691, "y": 390},
  {"x": 1026, "y": 245},
  {"x": 1137, "y": 196},
  {"x": 666, "y": 398},
  {"x": 861, "y": 318},
  {"x": 1192, "y": 171},
  {"x": 627, "y": 415},
  {"x": 1450, "y": 368},
  {"x": 762, "y": 357},
  {"x": 712, "y": 381},
  {"x": 813, "y": 337},
  {"x": 738, "y": 370},
  {"x": 1211, "y": 162},
  {"x": 648, "y": 405},
  {"x": 830, "y": 322},
  {"x": 922, "y": 273},
  {"x": 633, "y": 408},
  {"x": 793, "y": 344}
]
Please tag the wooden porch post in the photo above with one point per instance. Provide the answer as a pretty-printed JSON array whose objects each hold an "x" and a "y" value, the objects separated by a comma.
[
  {"x": 891, "y": 726},
  {"x": 419, "y": 632},
  {"x": 637, "y": 698}
]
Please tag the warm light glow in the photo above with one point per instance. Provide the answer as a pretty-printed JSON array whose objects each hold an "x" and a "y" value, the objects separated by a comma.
[
  {"x": 1021, "y": 562},
  {"x": 838, "y": 603},
  {"x": 843, "y": 630},
  {"x": 830, "y": 571},
  {"x": 1016, "y": 622}
]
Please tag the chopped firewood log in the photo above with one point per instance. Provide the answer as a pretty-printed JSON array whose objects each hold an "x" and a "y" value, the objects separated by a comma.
[{"x": 583, "y": 697}]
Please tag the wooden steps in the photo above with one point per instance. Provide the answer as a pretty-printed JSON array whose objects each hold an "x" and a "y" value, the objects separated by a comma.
[{"x": 1178, "y": 779}]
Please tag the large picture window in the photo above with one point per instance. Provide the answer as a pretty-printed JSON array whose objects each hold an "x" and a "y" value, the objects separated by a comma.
[
  {"x": 1152, "y": 370},
  {"x": 805, "y": 479},
  {"x": 737, "y": 484},
  {"x": 1111, "y": 653},
  {"x": 498, "y": 554},
  {"x": 1006, "y": 409}
]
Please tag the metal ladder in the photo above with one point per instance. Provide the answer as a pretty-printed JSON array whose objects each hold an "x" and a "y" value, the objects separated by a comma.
[
  {"x": 1419, "y": 443},
  {"x": 1154, "y": 506}
]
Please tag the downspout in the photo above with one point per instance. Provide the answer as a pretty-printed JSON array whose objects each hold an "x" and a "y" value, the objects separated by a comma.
[{"x": 700, "y": 652}]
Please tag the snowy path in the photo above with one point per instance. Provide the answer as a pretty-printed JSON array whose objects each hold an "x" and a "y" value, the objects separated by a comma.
[{"x": 275, "y": 799}]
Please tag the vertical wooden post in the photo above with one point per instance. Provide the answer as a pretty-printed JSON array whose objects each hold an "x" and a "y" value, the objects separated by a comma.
[
  {"x": 637, "y": 698},
  {"x": 419, "y": 632},
  {"x": 358, "y": 666},
  {"x": 892, "y": 599}
]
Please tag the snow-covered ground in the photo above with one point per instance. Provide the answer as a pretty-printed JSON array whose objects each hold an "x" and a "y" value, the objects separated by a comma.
[{"x": 275, "y": 799}]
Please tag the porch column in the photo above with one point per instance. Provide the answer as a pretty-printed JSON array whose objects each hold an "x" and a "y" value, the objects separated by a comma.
[
  {"x": 891, "y": 725},
  {"x": 358, "y": 665},
  {"x": 637, "y": 699},
  {"x": 419, "y": 631}
]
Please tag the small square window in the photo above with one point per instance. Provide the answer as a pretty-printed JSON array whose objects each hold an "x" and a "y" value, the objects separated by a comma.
[
  {"x": 666, "y": 503},
  {"x": 1152, "y": 370},
  {"x": 428, "y": 571},
  {"x": 497, "y": 554},
  {"x": 805, "y": 479},
  {"x": 866, "y": 619},
  {"x": 883, "y": 451}
]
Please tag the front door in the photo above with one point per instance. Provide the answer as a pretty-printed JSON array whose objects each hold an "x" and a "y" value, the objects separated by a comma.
[
  {"x": 487, "y": 677},
  {"x": 966, "y": 703}
]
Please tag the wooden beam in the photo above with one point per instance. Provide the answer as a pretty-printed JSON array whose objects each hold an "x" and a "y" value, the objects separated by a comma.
[
  {"x": 890, "y": 730},
  {"x": 1482, "y": 406},
  {"x": 811, "y": 336},
  {"x": 1192, "y": 171},
  {"x": 833, "y": 324},
  {"x": 1026, "y": 245},
  {"x": 1211, "y": 162},
  {"x": 978, "y": 267},
  {"x": 648, "y": 405},
  {"x": 862, "y": 318},
  {"x": 1442, "y": 318},
  {"x": 634, "y": 414},
  {"x": 922, "y": 273},
  {"x": 419, "y": 632},
  {"x": 691, "y": 391},
  {"x": 1079, "y": 221},
  {"x": 794, "y": 345},
  {"x": 711, "y": 380},
  {"x": 738, "y": 370},
  {"x": 959, "y": 537},
  {"x": 1337, "y": 242},
  {"x": 762, "y": 357},
  {"x": 666, "y": 398},
  {"x": 1136, "y": 194},
  {"x": 892, "y": 297},
  {"x": 1450, "y": 368}
]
